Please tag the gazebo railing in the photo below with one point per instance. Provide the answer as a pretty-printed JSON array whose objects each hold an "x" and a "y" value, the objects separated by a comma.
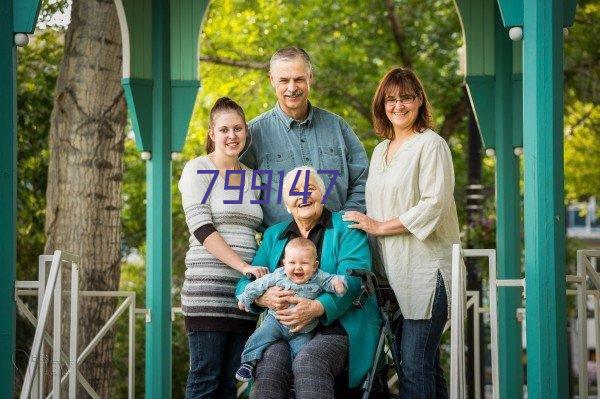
[
  {"x": 458, "y": 308},
  {"x": 586, "y": 272},
  {"x": 51, "y": 287}
]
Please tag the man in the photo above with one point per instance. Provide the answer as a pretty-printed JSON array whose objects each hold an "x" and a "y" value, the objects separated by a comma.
[{"x": 295, "y": 133}]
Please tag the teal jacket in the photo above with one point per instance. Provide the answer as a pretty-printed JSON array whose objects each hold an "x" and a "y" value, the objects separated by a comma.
[{"x": 343, "y": 248}]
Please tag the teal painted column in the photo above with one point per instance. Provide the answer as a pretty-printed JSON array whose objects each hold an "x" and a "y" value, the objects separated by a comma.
[
  {"x": 8, "y": 198},
  {"x": 508, "y": 208},
  {"x": 158, "y": 214},
  {"x": 544, "y": 195}
]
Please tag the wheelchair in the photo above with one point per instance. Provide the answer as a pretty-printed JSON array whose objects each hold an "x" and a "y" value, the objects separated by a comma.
[{"x": 375, "y": 385}]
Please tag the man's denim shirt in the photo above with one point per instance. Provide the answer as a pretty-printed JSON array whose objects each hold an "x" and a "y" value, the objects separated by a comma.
[{"x": 323, "y": 141}]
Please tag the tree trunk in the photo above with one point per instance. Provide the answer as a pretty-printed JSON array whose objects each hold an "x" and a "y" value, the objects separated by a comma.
[{"x": 85, "y": 170}]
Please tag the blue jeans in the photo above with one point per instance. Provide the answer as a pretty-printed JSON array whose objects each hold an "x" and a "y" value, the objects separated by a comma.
[
  {"x": 270, "y": 331},
  {"x": 214, "y": 359},
  {"x": 418, "y": 343}
]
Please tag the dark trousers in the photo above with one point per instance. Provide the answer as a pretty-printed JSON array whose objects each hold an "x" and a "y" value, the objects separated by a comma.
[
  {"x": 314, "y": 369},
  {"x": 214, "y": 359},
  {"x": 418, "y": 343}
]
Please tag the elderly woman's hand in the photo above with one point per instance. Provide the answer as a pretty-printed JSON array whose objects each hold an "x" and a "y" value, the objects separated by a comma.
[
  {"x": 299, "y": 316},
  {"x": 362, "y": 222},
  {"x": 274, "y": 298}
]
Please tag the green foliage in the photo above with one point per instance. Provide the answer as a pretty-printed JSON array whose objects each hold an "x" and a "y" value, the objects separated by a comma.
[
  {"x": 51, "y": 9},
  {"x": 582, "y": 150},
  {"x": 582, "y": 112},
  {"x": 37, "y": 72},
  {"x": 351, "y": 45}
]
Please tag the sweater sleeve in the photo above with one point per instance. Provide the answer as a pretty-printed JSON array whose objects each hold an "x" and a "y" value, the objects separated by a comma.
[
  {"x": 193, "y": 188},
  {"x": 204, "y": 231},
  {"x": 261, "y": 258}
]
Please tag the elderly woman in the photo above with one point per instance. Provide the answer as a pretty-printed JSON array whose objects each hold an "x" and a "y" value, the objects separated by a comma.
[
  {"x": 411, "y": 212},
  {"x": 346, "y": 336}
]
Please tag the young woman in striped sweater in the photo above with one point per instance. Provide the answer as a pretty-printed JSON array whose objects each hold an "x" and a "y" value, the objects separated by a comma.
[{"x": 221, "y": 247}]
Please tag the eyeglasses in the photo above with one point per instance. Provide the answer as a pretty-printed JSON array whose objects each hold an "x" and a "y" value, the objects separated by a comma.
[{"x": 404, "y": 100}]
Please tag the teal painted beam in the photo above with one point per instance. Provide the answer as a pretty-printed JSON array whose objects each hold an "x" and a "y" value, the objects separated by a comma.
[
  {"x": 517, "y": 109},
  {"x": 183, "y": 98},
  {"x": 138, "y": 95},
  {"x": 25, "y": 14},
  {"x": 481, "y": 94},
  {"x": 158, "y": 214},
  {"x": 508, "y": 212},
  {"x": 512, "y": 12},
  {"x": 8, "y": 198},
  {"x": 477, "y": 22},
  {"x": 547, "y": 375},
  {"x": 569, "y": 12}
]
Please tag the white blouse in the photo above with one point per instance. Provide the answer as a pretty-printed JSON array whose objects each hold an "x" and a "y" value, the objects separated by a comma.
[{"x": 417, "y": 186}]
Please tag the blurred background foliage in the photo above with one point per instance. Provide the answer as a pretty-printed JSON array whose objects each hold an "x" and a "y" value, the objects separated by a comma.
[{"x": 352, "y": 45}]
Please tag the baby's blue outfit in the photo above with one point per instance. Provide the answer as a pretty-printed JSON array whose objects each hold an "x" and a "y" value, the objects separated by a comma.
[{"x": 271, "y": 330}]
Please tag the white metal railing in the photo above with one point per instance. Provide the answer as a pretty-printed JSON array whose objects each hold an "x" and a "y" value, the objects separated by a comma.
[
  {"x": 50, "y": 290},
  {"x": 33, "y": 385},
  {"x": 53, "y": 288},
  {"x": 586, "y": 271},
  {"x": 458, "y": 309}
]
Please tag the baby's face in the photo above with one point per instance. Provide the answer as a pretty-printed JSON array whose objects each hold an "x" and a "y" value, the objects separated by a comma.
[{"x": 300, "y": 264}]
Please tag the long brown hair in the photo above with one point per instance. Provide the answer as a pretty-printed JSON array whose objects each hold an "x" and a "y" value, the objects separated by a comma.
[
  {"x": 222, "y": 104},
  {"x": 405, "y": 81}
]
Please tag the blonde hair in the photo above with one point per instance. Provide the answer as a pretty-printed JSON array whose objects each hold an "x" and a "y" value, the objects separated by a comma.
[{"x": 302, "y": 243}]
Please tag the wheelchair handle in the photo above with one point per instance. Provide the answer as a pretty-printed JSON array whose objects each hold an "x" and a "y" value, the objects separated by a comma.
[
  {"x": 368, "y": 281},
  {"x": 250, "y": 276}
]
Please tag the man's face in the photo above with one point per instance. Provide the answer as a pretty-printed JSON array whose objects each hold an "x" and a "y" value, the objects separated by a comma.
[{"x": 291, "y": 81}]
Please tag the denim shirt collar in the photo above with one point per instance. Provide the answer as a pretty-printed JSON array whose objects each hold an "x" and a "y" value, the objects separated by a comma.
[{"x": 288, "y": 121}]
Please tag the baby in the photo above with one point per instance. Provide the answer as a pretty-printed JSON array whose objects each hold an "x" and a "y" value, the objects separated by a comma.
[{"x": 299, "y": 274}]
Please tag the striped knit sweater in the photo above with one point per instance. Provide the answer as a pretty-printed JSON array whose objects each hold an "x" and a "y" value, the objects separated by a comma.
[{"x": 208, "y": 295}]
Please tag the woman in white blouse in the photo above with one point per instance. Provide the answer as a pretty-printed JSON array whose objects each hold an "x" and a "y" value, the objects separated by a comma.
[{"x": 412, "y": 214}]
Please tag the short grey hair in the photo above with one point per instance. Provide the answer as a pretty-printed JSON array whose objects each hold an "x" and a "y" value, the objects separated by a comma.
[
  {"x": 290, "y": 53},
  {"x": 291, "y": 175}
]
